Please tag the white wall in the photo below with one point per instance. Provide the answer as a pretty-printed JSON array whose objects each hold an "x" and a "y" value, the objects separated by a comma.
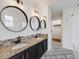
[
  {"x": 67, "y": 33},
  {"x": 49, "y": 28},
  {"x": 71, "y": 29},
  {"x": 28, "y": 9}
]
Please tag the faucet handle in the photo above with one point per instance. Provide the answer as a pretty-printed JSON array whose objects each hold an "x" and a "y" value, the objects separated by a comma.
[{"x": 18, "y": 38}]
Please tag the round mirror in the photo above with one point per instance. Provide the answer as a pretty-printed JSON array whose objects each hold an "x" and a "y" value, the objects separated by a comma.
[
  {"x": 43, "y": 24},
  {"x": 34, "y": 23},
  {"x": 13, "y": 18}
]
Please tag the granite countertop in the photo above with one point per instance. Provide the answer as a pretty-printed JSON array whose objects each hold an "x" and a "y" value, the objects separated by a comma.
[{"x": 6, "y": 51}]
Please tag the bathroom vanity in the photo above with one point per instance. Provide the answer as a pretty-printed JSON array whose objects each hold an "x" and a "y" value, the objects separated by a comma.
[
  {"x": 32, "y": 49},
  {"x": 15, "y": 20}
]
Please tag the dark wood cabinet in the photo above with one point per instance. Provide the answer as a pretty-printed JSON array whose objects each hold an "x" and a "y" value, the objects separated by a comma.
[
  {"x": 18, "y": 56},
  {"x": 40, "y": 49},
  {"x": 34, "y": 52},
  {"x": 45, "y": 45}
]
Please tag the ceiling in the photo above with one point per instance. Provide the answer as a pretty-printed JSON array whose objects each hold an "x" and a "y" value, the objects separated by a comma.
[
  {"x": 57, "y": 9},
  {"x": 56, "y": 5},
  {"x": 59, "y": 3}
]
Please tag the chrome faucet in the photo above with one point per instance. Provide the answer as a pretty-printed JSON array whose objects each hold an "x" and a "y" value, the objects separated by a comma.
[{"x": 18, "y": 40}]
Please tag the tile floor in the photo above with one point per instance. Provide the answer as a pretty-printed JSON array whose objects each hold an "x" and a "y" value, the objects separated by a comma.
[{"x": 57, "y": 52}]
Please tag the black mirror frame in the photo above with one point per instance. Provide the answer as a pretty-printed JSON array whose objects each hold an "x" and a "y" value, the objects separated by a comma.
[
  {"x": 18, "y": 9},
  {"x": 38, "y": 23},
  {"x": 44, "y": 23}
]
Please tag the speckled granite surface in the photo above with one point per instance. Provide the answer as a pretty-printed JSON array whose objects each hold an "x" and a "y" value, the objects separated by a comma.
[{"x": 6, "y": 51}]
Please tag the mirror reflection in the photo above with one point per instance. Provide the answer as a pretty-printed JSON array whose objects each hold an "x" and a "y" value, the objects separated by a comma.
[
  {"x": 34, "y": 23},
  {"x": 43, "y": 24},
  {"x": 13, "y": 18}
]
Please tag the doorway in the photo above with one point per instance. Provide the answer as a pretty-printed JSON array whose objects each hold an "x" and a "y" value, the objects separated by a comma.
[
  {"x": 57, "y": 31},
  {"x": 56, "y": 18}
]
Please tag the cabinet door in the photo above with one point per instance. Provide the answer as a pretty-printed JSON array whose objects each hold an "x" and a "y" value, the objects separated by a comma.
[
  {"x": 40, "y": 49},
  {"x": 44, "y": 45},
  {"x": 18, "y": 56},
  {"x": 26, "y": 54},
  {"x": 32, "y": 52},
  {"x": 21, "y": 55}
]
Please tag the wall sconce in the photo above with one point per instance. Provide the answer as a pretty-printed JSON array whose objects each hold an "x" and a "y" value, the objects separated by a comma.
[
  {"x": 19, "y": 2},
  {"x": 35, "y": 13},
  {"x": 43, "y": 18}
]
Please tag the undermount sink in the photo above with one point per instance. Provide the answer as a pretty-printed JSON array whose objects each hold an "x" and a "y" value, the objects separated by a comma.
[{"x": 19, "y": 46}]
